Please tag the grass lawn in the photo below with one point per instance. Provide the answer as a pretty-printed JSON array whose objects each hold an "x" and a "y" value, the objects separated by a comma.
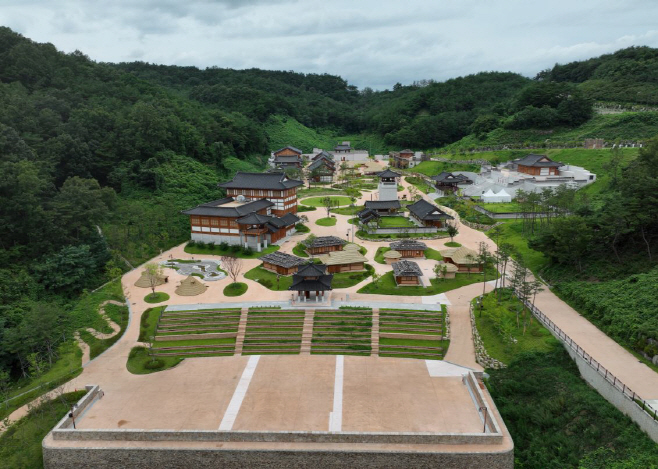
[
  {"x": 268, "y": 279},
  {"x": 139, "y": 362},
  {"x": 305, "y": 208},
  {"x": 347, "y": 210},
  {"x": 319, "y": 201},
  {"x": 216, "y": 251},
  {"x": 379, "y": 255},
  {"x": 512, "y": 233},
  {"x": 501, "y": 336},
  {"x": 395, "y": 222},
  {"x": 365, "y": 235},
  {"x": 433, "y": 254},
  {"x": 503, "y": 207},
  {"x": 157, "y": 297},
  {"x": 235, "y": 289},
  {"x": 419, "y": 183},
  {"x": 349, "y": 279},
  {"x": 327, "y": 221},
  {"x": 98, "y": 346},
  {"x": 301, "y": 228},
  {"x": 20, "y": 445},
  {"x": 387, "y": 286},
  {"x": 319, "y": 191},
  {"x": 453, "y": 244},
  {"x": 149, "y": 322}
]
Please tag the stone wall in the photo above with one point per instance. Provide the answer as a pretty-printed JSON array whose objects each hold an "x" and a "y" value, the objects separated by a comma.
[
  {"x": 481, "y": 355},
  {"x": 143, "y": 458}
]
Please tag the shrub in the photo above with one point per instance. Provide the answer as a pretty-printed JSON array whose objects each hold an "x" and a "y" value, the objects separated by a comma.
[
  {"x": 153, "y": 364},
  {"x": 267, "y": 283},
  {"x": 201, "y": 244},
  {"x": 247, "y": 251},
  {"x": 235, "y": 247},
  {"x": 211, "y": 246},
  {"x": 191, "y": 243},
  {"x": 223, "y": 246}
]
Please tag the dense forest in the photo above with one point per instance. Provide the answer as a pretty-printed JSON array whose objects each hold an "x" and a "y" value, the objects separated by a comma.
[{"x": 98, "y": 159}]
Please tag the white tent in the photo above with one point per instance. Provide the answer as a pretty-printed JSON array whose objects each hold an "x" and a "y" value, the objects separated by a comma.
[{"x": 501, "y": 196}]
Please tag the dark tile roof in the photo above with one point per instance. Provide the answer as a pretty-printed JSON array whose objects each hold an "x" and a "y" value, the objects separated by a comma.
[
  {"x": 216, "y": 209},
  {"x": 275, "y": 180},
  {"x": 537, "y": 160},
  {"x": 287, "y": 159},
  {"x": 297, "y": 150},
  {"x": 366, "y": 215},
  {"x": 388, "y": 174},
  {"x": 312, "y": 270},
  {"x": 449, "y": 177},
  {"x": 282, "y": 259},
  {"x": 322, "y": 283},
  {"x": 322, "y": 241},
  {"x": 321, "y": 162},
  {"x": 340, "y": 146},
  {"x": 290, "y": 219},
  {"x": 383, "y": 204},
  {"x": 406, "y": 151},
  {"x": 324, "y": 154},
  {"x": 407, "y": 245},
  {"x": 424, "y": 210},
  {"x": 406, "y": 269},
  {"x": 254, "y": 219}
]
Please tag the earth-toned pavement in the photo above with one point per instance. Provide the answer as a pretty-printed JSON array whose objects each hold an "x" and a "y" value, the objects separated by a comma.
[{"x": 109, "y": 369}]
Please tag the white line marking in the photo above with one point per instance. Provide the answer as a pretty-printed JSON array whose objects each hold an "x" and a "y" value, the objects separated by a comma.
[
  {"x": 336, "y": 416},
  {"x": 238, "y": 395}
]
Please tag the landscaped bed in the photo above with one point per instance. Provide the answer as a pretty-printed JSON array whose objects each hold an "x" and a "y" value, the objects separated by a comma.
[
  {"x": 268, "y": 279},
  {"x": 396, "y": 222},
  {"x": 387, "y": 286},
  {"x": 502, "y": 207},
  {"x": 336, "y": 200},
  {"x": 157, "y": 297},
  {"x": 327, "y": 221},
  {"x": 231, "y": 251},
  {"x": 235, "y": 289}
]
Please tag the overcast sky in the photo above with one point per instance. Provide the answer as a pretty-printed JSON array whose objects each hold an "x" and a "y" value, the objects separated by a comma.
[{"x": 372, "y": 43}]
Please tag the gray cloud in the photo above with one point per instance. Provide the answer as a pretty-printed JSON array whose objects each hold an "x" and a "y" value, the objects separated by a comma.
[{"x": 370, "y": 42}]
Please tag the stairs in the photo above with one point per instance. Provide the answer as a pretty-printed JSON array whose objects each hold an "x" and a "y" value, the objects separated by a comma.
[
  {"x": 374, "y": 338},
  {"x": 242, "y": 328},
  {"x": 307, "y": 333}
]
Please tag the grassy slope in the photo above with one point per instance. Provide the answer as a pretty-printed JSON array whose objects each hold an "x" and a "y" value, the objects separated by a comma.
[{"x": 386, "y": 285}]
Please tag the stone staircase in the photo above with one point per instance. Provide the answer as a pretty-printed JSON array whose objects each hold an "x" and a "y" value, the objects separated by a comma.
[
  {"x": 374, "y": 338},
  {"x": 307, "y": 334},
  {"x": 242, "y": 328}
]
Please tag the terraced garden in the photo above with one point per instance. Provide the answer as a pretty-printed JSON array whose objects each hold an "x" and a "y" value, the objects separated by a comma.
[
  {"x": 186, "y": 334},
  {"x": 273, "y": 332},
  {"x": 412, "y": 334},
  {"x": 342, "y": 332}
]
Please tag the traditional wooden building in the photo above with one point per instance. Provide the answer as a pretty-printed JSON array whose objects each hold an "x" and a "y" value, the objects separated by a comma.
[
  {"x": 282, "y": 263},
  {"x": 311, "y": 279},
  {"x": 239, "y": 222},
  {"x": 384, "y": 207},
  {"x": 288, "y": 151},
  {"x": 409, "y": 248},
  {"x": 323, "y": 154},
  {"x": 428, "y": 214},
  {"x": 324, "y": 244},
  {"x": 448, "y": 182},
  {"x": 537, "y": 165},
  {"x": 275, "y": 187},
  {"x": 322, "y": 170},
  {"x": 447, "y": 270},
  {"x": 288, "y": 161},
  {"x": 343, "y": 261},
  {"x": 465, "y": 259},
  {"x": 367, "y": 216},
  {"x": 407, "y": 273},
  {"x": 343, "y": 147},
  {"x": 391, "y": 257},
  {"x": 405, "y": 159}
]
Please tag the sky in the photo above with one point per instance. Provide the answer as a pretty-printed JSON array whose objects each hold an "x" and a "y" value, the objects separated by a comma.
[{"x": 374, "y": 43}]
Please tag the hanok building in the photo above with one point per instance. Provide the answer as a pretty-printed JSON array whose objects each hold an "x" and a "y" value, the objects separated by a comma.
[
  {"x": 409, "y": 248},
  {"x": 287, "y": 161},
  {"x": 322, "y": 169},
  {"x": 348, "y": 260},
  {"x": 388, "y": 185},
  {"x": 311, "y": 278},
  {"x": 282, "y": 263},
  {"x": 275, "y": 187},
  {"x": 466, "y": 260},
  {"x": 406, "y": 159},
  {"x": 447, "y": 183},
  {"x": 323, "y": 154},
  {"x": 428, "y": 214},
  {"x": 367, "y": 216},
  {"x": 343, "y": 147},
  {"x": 407, "y": 273},
  {"x": 324, "y": 244},
  {"x": 384, "y": 207},
  {"x": 537, "y": 165},
  {"x": 287, "y": 151},
  {"x": 239, "y": 222}
]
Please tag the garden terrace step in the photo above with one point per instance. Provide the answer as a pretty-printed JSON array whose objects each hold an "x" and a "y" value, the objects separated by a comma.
[
  {"x": 414, "y": 347},
  {"x": 193, "y": 331},
  {"x": 192, "y": 353},
  {"x": 340, "y": 339},
  {"x": 205, "y": 323},
  {"x": 194, "y": 347},
  {"x": 408, "y": 331},
  {"x": 265, "y": 349}
]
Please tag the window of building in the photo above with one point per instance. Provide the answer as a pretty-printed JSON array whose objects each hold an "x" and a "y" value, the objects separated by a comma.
[
  {"x": 195, "y": 220},
  {"x": 205, "y": 222},
  {"x": 214, "y": 222}
]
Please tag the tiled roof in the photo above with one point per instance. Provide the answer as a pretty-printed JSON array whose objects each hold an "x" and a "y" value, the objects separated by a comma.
[
  {"x": 322, "y": 283},
  {"x": 408, "y": 245},
  {"x": 322, "y": 241},
  {"x": 541, "y": 161},
  {"x": 406, "y": 269},
  {"x": 321, "y": 162},
  {"x": 282, "y": 259},
  {"x": 449, "y": 177},
  {"x": 424, "y": 210},
  {"x": 275, "y": 180},
  {"x": 296, "y": 150},
  {"x": 388, "y": 174},
  {"x": 216, "y": 208},
  {"x": 287, "y": 159},
  {"x": 312, "y": 270},
  {"x": 383, "y": 204}
]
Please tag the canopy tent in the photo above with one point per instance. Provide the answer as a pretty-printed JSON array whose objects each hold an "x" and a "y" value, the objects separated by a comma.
[
  {"x": 190, "y": 286},
  {"x": 499, "y": 197}
]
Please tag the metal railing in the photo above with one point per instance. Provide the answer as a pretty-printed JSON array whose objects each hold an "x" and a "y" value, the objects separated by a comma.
[{"x": 594, "y": 364}]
